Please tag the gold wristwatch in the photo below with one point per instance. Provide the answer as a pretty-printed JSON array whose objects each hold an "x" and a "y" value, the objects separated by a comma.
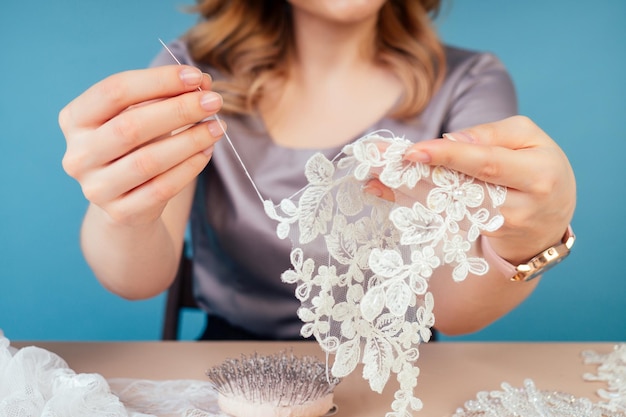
[{"x": 537, "y": 265}]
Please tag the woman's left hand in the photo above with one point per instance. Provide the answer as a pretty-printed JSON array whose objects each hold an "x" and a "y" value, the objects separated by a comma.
[{"x": 515, "y": 153}]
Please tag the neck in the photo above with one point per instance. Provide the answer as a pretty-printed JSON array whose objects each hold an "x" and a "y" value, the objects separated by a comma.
[
  {"x": 333, "y": 90},
  {"x": 323, "y": 47}
]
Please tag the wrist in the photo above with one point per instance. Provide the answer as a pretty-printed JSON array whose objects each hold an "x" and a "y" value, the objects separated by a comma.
[{"x": 496, "y": 261}]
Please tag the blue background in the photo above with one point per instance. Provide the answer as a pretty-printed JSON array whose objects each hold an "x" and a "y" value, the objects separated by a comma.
[{"x": 566, "y": 58}]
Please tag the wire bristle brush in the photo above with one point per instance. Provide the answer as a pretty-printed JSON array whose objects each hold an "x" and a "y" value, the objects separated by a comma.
[{"x": 279, "y": 385}]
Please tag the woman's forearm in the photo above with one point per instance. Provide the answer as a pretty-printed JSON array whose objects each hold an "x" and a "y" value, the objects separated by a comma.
[
  {"x": 468, "y": 306},
  {"x": 134, "y": 262}
]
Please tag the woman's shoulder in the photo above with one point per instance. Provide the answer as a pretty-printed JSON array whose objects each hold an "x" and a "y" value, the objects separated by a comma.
[
  {"x": 477, "y": 89},
  {"x": 462, "y": 60}
]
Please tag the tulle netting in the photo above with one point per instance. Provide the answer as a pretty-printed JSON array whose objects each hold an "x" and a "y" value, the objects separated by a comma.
[{"x": 35, "y": 382}]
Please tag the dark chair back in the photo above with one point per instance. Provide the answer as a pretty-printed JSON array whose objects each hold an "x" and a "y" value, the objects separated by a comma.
[{"x": 179, "y": 296}]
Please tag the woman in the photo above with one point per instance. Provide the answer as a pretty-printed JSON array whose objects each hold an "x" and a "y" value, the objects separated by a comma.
[{"x": 297, "y": 77}]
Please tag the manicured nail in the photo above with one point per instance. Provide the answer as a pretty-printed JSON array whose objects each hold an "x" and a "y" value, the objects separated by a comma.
[
  {"x": 215, "y": 128},
  {"x": 415, "y": 155},
  {"x": 191, "y": 76},
  {"x": 208, "y": 151},
  {"x": 211, "y": 101},
  {"x": 459, "y": 137}
]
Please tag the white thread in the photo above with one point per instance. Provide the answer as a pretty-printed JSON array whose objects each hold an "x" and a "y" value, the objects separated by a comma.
[{"x": 230, "y": 142}]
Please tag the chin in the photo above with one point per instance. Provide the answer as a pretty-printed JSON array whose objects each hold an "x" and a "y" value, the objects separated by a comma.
[{"x": 340, "y": 11}]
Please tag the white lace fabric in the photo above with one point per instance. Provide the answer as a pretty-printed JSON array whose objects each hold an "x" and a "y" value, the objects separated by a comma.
[
  {"x": 612, "y": 370},
  {"x": 170, "y": 398},
  {"x": 529, "y": 401},
  {"x": 365, "y": 298}
]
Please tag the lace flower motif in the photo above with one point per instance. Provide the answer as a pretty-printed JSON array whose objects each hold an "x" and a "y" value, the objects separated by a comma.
[
  {"x": 365, "y": 297},
  {"x": 531, "y": 402},
  {"x": 612, "y": 370}
]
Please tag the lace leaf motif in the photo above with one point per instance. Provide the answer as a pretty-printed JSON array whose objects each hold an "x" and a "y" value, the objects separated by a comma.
[
  {"x": 316, "y": 205},
  {"x": 361, "y": 264}
]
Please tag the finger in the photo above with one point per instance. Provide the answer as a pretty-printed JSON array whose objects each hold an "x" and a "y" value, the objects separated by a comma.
[
  {"x": 378, "y": 189},
  {"x": 142, "y": 165},
  {"x": 517, "y": 132},
  {"x": 155, "y": 193},
  {"x": 207, "y": 82},
  {"x": 112, "y": 95},
  {"x": 516, "y": 210},
  {"x": 521, "y": 169},
  {"x": 137, "y": 126}
]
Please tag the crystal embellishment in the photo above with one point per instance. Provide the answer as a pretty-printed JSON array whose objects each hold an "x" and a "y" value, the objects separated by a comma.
[
  {"x": 612, "y": 370},
  {"x": 528, "y": 401}
]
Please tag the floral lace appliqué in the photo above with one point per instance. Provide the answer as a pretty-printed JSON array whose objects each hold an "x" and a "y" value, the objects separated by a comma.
[
  {"x": 529, "y": 401},
  {"x": 612, "y": 370},
  {"x": 365, "y": 295}
]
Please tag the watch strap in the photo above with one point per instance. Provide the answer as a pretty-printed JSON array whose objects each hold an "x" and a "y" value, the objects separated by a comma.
[{"x": 505, "y": 267}]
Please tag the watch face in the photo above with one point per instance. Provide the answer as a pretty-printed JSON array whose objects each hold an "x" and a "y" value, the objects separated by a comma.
[{"x": 545, "y": 267}]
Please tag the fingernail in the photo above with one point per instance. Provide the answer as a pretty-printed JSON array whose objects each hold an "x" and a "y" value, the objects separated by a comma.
[
  {"x": 459, "y": 137},
  {"x": 211, "y": 101},
  {"x": 208, "y": 151},
  {"x": 215, "y": 128},
  {"x": 191, "y": 76},
  {"x": 373, "y": 190},
  {"x": 415, "y": 155}
]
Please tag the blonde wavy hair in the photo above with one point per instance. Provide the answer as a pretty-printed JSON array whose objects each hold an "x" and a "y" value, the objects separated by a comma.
[{"x": 251, "y": 41}]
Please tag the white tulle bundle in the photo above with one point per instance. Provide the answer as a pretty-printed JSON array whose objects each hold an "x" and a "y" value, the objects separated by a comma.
[
  {"x": 38, "y": 383},
  {"x": 35, "y": 382}
]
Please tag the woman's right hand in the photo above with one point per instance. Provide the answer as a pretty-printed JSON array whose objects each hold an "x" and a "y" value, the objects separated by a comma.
[{"x": 133, "y": 142}]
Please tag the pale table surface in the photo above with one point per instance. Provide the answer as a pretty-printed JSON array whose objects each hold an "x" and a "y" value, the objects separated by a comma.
[{"x": 451, "y": 373}]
